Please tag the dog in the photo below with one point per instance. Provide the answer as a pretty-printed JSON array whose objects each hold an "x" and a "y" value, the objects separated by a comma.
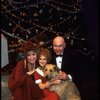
[{"x": 67, "y": 89}]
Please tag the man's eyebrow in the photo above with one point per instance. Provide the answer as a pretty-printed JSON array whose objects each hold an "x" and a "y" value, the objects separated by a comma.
[{"x": 58, "y": 45}]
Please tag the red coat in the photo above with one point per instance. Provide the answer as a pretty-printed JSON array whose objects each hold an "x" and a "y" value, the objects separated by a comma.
[{"x": 22, "y": 86}]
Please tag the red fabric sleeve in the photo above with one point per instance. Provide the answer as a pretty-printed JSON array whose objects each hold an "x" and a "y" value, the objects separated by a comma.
[
  {"x": 18, "y": 76},
  {"x": 37, "y": 76}
]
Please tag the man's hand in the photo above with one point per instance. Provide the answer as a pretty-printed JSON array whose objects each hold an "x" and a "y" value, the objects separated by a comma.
[{"x": 62, "y": 75}]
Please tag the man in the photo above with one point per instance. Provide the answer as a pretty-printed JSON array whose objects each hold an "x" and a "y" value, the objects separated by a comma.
[{"x": 64, "y": 57}]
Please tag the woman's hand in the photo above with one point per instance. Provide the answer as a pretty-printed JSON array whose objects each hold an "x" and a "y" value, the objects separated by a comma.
[{"x": 30, "y": 72}]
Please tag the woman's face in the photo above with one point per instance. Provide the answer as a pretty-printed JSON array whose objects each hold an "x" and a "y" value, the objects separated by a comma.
[
  {"x": 42, "y": 60},
  {"x": 31, "y": 57}
]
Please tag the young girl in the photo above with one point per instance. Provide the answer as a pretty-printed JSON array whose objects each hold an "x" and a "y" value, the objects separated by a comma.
[{"x": 44, "y": 57}]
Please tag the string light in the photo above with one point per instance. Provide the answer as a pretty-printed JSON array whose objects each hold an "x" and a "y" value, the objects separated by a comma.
[{"x": 29, "y": 20}]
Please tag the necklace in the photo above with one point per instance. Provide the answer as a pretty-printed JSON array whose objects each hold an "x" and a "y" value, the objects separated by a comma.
[{"x": 31, "y": 67}]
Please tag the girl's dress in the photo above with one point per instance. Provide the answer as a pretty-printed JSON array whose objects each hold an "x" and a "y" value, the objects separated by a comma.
[{"x": 47, "y": 94}]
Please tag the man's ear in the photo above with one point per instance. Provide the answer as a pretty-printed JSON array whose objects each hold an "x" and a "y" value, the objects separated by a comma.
[{"x": 64, "y": 45}]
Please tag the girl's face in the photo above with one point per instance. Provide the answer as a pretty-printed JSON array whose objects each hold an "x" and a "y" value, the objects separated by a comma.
[
  {"x": 42, "y": 60},
  {"x": 31, "y": 57}
]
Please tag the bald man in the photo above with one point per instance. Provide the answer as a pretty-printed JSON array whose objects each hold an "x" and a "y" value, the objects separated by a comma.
[{"x": 64, "y": 57}]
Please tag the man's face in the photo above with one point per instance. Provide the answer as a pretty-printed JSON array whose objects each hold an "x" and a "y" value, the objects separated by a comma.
[{"x": 59, "y": 46}]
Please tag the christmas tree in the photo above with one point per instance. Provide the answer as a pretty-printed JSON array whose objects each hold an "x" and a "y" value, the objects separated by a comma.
[{"x": 39, "y": 21}]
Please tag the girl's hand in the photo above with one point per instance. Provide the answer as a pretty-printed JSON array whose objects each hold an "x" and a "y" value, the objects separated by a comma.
[
  {"x": 47, "y": 85},
  {"x": 57, "y": 81},
  {"x": 12, "y": 98}
]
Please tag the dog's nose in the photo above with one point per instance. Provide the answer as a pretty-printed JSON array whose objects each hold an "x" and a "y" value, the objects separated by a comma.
[{"x": 46, "y": 77}]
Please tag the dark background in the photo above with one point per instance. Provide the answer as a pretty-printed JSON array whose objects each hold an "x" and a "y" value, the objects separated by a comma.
[
  {"x": 91, "y": 13},
  {"x": 89, "y": 86}
]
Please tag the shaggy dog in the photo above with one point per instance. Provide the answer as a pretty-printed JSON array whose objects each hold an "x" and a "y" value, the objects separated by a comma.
[{"x": 66, "y": 90}]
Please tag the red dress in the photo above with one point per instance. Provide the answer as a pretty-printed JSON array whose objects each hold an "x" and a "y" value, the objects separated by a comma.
[
  {"x": 47, "y": 94},
  {"x": 22, "y": 86}
]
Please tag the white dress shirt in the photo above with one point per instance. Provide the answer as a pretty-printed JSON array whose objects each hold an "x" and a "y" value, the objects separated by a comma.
[{"x": 59, "y": 61}]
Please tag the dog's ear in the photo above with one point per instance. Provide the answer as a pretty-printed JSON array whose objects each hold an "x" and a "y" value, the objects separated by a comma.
[{"x": 56, "y": 68}]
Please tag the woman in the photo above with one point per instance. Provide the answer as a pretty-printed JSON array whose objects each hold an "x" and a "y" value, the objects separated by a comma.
[
  {"x": 44, "y": 58},
  {"x": 21, "y": 83}
]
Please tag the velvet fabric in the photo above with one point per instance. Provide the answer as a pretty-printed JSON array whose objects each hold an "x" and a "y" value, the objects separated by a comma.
[{"x": 22, "y": 86}]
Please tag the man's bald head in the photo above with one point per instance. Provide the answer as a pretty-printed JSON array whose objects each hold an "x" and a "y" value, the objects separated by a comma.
[
  {"x": 59, "y": 44},
  {"x": 59, "y": 39}
]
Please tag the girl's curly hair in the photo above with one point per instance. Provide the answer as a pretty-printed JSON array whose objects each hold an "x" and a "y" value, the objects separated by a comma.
[{"x": 45, "y": 52}]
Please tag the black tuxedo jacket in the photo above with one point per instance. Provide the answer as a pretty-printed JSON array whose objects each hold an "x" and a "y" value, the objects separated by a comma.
[
  {"x": 74, "y": 63},
  {"x": 69, "y": 61}
]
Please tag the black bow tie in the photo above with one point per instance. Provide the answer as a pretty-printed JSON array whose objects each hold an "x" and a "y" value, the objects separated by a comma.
[{"x": 59, "y": 55}]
